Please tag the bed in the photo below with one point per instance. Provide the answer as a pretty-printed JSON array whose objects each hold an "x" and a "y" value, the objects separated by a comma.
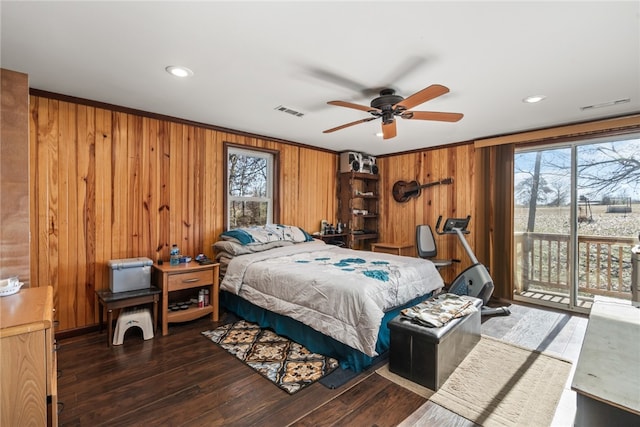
[{"x": 334, "y": 301}]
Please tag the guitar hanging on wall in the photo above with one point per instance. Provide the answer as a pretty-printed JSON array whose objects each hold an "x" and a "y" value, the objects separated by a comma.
[{"x": 403, "y": 190}]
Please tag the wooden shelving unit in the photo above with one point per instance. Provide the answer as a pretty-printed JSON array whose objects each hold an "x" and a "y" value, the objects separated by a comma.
[{"x": 358, "y": 207}]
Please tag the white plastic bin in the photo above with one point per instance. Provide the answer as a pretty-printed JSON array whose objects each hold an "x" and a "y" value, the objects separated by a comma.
[{"x": 129, "y": 274}]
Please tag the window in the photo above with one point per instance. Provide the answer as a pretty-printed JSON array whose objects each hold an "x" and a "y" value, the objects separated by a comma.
[
  {"x": 576, "y": 218},
  {"x": 250, "y": 185}
]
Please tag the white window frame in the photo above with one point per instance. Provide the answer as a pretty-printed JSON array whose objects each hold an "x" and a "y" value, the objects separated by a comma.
[{"x": 269, "y": 198}]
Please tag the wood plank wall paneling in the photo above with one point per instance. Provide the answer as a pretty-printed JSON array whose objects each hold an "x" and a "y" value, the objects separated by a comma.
[
  {"x": 14, "y": 176},
  {"x": 399, "y": 220},
  {"x": 111, "y": 184}
]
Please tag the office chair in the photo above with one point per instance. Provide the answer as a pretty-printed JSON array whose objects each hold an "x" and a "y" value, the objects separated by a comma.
[{"x": 426, "y": 246}]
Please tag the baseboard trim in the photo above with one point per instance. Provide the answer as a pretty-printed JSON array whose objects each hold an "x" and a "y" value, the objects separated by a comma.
[{"x": 70, "y": 333}]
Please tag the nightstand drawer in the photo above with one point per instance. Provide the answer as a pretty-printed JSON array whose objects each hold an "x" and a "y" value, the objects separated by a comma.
[{"x": 188, "y": 280}]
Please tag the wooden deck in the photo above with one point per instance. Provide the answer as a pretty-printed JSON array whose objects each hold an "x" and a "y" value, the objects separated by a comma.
[
  {"x": 542, "y": 297},
  {"x": 184, "y": 379}
]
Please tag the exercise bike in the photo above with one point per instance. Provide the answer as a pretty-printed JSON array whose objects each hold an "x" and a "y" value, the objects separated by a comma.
[{"x": 475, "y": 280}]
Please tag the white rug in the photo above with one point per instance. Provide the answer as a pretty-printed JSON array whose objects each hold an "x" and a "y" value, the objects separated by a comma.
[{"x": 500, "y": 384}]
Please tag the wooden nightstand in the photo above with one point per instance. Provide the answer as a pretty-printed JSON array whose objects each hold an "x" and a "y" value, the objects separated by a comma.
[
  {"x": 393, "y": 248},
  {"x": 171, "y": 278}
]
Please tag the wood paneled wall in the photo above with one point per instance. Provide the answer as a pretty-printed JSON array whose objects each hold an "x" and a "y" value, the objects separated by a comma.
[
  {"x": 14, "y": 176},
  {"x": 110, "y": 184},
  {"x": 399, "y": 220}
]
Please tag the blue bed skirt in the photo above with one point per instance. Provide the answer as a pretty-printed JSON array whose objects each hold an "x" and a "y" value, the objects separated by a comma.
[{"x": 315, "y": 341}]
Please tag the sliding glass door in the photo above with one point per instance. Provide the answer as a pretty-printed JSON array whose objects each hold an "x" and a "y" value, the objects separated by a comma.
[{"x": 576, "y": 218}]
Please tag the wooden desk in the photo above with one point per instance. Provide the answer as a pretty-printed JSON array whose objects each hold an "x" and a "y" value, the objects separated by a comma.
[
  {"x": 404, "y": 249},
  {"x": 115, "y": 300},
  {"x": 607, "y": 376},
  {"x": 187, "y": 276}
]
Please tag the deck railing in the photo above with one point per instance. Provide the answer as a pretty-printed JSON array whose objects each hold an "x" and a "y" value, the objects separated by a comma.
[{"x": 604, "y": 264}]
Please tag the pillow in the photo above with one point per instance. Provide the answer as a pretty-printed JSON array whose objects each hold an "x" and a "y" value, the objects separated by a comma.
[
  {"x": 266, "y": 234},
  {"x": 234, "y": 248},
  {"x": 238, "y": 234},
  {"x": 293, "y": 233}
]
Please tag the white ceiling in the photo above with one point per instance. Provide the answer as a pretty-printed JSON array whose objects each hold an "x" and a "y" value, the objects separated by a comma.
[{"x": 250, "y": 57}]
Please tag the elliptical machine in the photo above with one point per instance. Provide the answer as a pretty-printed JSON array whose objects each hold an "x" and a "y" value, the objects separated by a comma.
[{"x": 475, "y": 280}]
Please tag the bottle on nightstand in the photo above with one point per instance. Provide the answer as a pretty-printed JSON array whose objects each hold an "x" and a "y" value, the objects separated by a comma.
[{"x": 174, "y": 255}]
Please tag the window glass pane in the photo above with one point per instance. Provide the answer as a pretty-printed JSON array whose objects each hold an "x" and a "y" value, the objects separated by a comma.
[
  {"x": 246, "y": 213},
  {"x": 247, "y": 176},
  {"x": 249, "y": 188},
  {"x": 542, "y": 211},
  {"x": 608, "y": 185}
]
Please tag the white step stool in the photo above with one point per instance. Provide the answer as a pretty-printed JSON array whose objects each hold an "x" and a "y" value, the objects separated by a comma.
[{"x": 140, "y": 317}]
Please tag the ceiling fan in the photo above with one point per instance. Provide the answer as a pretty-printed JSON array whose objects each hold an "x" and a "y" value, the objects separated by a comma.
[{"x": 389, "y": 105}]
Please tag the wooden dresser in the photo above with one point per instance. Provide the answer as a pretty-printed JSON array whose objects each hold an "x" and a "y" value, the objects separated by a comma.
[{"x": 28, "y": 385}]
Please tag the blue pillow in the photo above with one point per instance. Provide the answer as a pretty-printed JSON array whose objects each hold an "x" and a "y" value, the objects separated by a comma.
[{"x": 240, "y": 235}]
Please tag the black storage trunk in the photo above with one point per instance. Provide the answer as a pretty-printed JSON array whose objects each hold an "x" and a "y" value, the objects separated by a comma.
[{"x": 428, "y": 356}]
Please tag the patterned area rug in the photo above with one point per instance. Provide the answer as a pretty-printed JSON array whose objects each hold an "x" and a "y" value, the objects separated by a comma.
[{"x": 285, "y": 363}]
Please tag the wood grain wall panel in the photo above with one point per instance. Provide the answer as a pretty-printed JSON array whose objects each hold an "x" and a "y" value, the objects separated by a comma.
[
  {"x": 110, "y": 184},
  {"x": 399, "y": 220},
  {"x": 86, "y": 180},
  {"x": 50, "y": 131},
  {"x": 316, "y": 191},
  {"x": 14, "y": 176},
  {"x": 103, "y": 213},
  {"x": 66, "y": 199},
  {"x": 289, "y": 170}
]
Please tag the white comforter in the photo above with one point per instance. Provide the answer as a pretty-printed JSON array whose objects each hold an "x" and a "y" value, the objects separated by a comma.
[{"x": 340, "y": 292}]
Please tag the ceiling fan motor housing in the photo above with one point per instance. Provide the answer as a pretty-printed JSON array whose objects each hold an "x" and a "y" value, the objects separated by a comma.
[
  {"x": 386, "y": 100},
  {"x": 385, "y": 103}
]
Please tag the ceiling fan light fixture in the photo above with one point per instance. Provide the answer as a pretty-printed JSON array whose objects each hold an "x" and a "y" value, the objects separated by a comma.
[
  {"x": 179, "y": 71},
  {"x": 388, "y": 105},
  {"x": 533, "y": 99}
]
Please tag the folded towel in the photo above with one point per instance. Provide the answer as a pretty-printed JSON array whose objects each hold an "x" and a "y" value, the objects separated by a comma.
[{"x": 438, "y": 311}]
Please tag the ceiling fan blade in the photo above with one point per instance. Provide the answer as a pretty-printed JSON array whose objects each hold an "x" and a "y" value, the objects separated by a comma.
[
  {"x": 389, "y": 130},
  {"x": 350, "y": 105},
  {"x": 357, "y": 122},
  {"x": 432, "y": 115},
  {"x": 424, "y": 95}
]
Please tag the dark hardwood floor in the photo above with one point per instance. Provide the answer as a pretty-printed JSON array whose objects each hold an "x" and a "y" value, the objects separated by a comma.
[{"x": 185, "y": 379}]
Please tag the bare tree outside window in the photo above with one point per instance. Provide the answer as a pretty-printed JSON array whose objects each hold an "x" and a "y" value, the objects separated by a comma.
[
  {"x": 611, "y": 169},
  {"x": 604, "y": 183},
  {"x": 249, "y": 188}
]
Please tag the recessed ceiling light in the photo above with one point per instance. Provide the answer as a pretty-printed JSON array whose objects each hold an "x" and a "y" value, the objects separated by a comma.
[
  {"x": 533, "y": 99},
  {"x": 178, "y": 71}
]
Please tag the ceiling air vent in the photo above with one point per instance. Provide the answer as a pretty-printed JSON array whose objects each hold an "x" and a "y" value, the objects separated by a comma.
[
  {"x": 606, "y": 104},
  {"x": 289, "y": 111}
]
